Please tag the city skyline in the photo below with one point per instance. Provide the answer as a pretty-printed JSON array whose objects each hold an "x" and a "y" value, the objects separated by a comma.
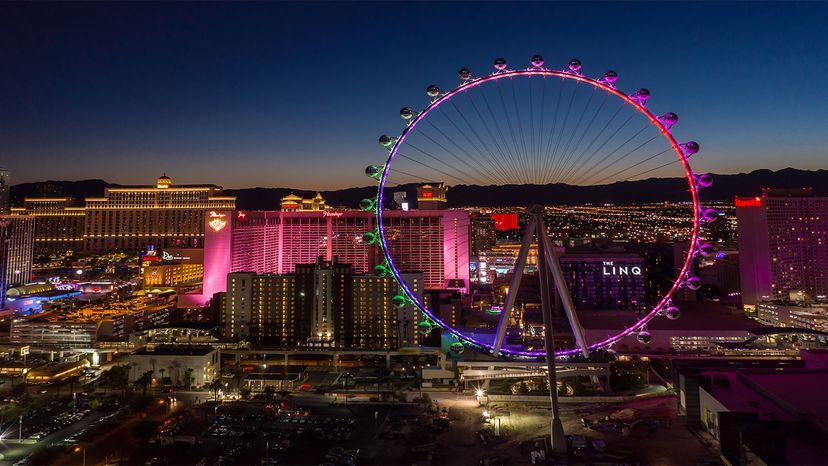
[{"x": 207, "y": 93}]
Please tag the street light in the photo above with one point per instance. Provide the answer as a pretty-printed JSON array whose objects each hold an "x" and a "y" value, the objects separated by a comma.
[{"x": 79, "y": 449}]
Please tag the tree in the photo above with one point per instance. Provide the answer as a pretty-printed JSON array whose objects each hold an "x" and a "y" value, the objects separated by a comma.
[
  {"x": 269, "y": 391},
  {"x": 144, "y": 381},
  {"x": 188, "y": 378},
  {"x": 215, "y": 386},
  {"x": 117, "y": 378},
  {"x": 162, "y": 370}
]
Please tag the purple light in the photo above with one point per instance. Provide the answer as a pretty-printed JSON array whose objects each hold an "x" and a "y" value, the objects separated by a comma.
[{"x": 663, "y": 127}]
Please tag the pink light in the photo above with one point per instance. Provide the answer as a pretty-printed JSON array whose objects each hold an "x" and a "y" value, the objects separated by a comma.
[{"x": 600, "y": 85}]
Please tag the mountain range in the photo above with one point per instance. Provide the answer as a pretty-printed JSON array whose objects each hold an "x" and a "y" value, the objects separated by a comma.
[{"x": 724, "y": 187}]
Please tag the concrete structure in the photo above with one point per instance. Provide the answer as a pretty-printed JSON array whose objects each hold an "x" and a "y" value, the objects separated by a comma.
[
  {"x": 787, "y": 314},
  {"x": 5, "y": 191},
  {"x": 701, "y": 328},
  {"x": 294, "y": 203},
  {"x": 326, "y": 292},
  {"x": 431, "y": 196},
  {"x": 483, "y": 234},
  {"x": 202, "y": 363},
  {"x": 759, "y": 413},
  {"x": 377, "y": 322},
  {"x": 59, "y": 226},
  {"x": 435, "y": 243},
  {"x": 321, "y": 305},
  {"x": 783, "y": 240},
  {"x": 262, "y": 307},
  {"x": 129, "y": 218},
  {"x": 16, "y": 246}
]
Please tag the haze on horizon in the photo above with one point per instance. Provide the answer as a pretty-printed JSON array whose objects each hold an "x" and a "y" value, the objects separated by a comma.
[{"x": 295, "y": 95}]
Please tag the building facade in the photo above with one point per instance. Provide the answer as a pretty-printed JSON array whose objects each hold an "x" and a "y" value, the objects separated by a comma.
[
  {"x": 16, "y": 245},
  {"x": 164, "y": 215},
  {"x": 59, "y": 226},
  {"x": 483, "y": 234},
  {"x": 434, "y": 243},
  {"x": 5, "y": 191},
  {"x": 783, "y": 244},
  {"x": 320, "y": 305},
  {"x": 605, "y": 282}
]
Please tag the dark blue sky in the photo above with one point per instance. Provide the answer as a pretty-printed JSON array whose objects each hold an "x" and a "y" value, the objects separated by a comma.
[{"x": 280, "y": 94}]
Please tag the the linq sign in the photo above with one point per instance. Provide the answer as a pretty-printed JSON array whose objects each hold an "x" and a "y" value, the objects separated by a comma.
[{"x": 611, "y": 269}]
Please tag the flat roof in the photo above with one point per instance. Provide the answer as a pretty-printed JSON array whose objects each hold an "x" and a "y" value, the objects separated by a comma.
[
  {"x": 694, "y": 316},
  {"x": 199, "y": 350},
  {"x": 800, "y": 391}
]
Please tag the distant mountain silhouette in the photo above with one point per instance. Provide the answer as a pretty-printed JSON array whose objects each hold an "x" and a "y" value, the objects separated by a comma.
[{"x": 725, "y": 187}]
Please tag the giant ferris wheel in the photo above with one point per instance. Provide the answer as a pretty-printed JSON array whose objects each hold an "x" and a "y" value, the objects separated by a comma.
[{"x": 539, "y": 127}]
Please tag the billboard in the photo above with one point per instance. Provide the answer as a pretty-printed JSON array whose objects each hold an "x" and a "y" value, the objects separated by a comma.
[{"x": 505, "y": 222}]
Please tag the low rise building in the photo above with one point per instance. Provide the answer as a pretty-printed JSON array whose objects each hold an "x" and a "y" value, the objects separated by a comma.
[
  {"x": 184, "y": 365},
  {"x": 772, "y": 412}
]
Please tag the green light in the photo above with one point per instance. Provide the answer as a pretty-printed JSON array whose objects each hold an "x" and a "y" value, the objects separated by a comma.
[
  {"x": 381, "y": 271},
  {"x": 367, "y": 204},
  {"x": 373, "y": 171},
  {"x": 369, "y": 238},
  {"x": 398, "y": 301},
  {"x": 425, "y": 327}
]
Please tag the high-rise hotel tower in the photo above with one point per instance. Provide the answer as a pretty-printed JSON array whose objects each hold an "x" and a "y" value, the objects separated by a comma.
[
  {"x": 164, "y": 215},
  {"x": 783, "y": 245}
]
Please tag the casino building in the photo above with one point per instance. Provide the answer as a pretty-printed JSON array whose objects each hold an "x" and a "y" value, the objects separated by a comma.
[
  {"x": 16, "y": 234},
  {"x": 165, "y": 215},
  {"x": 433, "y": 242},
  {"x": 785, "y": 234},
  {"x": 59, "y": 225}
]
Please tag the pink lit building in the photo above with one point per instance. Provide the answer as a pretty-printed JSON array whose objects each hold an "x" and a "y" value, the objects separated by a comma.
[
  {"x": 783, "y": 245},
  {"x": 435, "y": 243}
]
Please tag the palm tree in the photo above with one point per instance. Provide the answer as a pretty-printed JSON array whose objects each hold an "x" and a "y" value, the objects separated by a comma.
[
  {"x": 188, "y": 377},
  {"x": 215, "y": 386},
  {"x": 162, "y": 370},
  {"x": 144, "y": 381}
]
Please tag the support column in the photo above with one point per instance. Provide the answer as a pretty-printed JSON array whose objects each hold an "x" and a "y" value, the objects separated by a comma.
[
  {"x": 388, "y": 360},
  {"x": 557, "y": 432},
  {"x": 286, "y": 359}
]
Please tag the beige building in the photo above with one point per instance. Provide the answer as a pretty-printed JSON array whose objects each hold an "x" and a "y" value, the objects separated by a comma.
[
  {"x": 172, "y": 275},
  {"x": 58, "y": 225},
  {"x": 165, "y": 215}
]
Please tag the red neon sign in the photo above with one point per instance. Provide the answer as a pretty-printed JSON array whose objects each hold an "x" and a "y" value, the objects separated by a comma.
[{"x": 749, "y": 202}]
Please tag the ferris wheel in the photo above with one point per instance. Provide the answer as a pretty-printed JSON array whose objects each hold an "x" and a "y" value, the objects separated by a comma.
[{"x": 546, "y": 130}]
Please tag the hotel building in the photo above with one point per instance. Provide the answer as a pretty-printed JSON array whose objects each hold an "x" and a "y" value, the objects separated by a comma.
[
  {"x": 58, "y": 225},
  {"x": 320, "y": 305},
  {"x": 164, "y": 215},
  {"x": 16, "y": 234},
  {"x": 5, "y": 194},
  {"x": 434, "y": 243},
  {"x": 783, "y": 241}
]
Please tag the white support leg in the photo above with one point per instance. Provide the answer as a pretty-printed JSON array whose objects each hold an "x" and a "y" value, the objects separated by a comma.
[
  {"x": 554, "y": 264},
  {"x": 514, "y": 285}
]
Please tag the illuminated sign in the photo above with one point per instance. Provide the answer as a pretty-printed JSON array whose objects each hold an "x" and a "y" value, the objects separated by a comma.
[
  {"x": 241, "y": 214},
  {"x": 611, "y": 269},
  {"x": 748, "y": 202},
  {"x": 333, "y": 214},
  {"x": 505, "y": 221},
  {"x": 169, "y": 257},
  {"x": 217, "y": 221}
]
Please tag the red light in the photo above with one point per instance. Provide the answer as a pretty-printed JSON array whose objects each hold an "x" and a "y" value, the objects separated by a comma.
[
  {"x": 505, "y": 221},
  {"x": 428, "y": 194},
  {"x": 749, "y": 202}
]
